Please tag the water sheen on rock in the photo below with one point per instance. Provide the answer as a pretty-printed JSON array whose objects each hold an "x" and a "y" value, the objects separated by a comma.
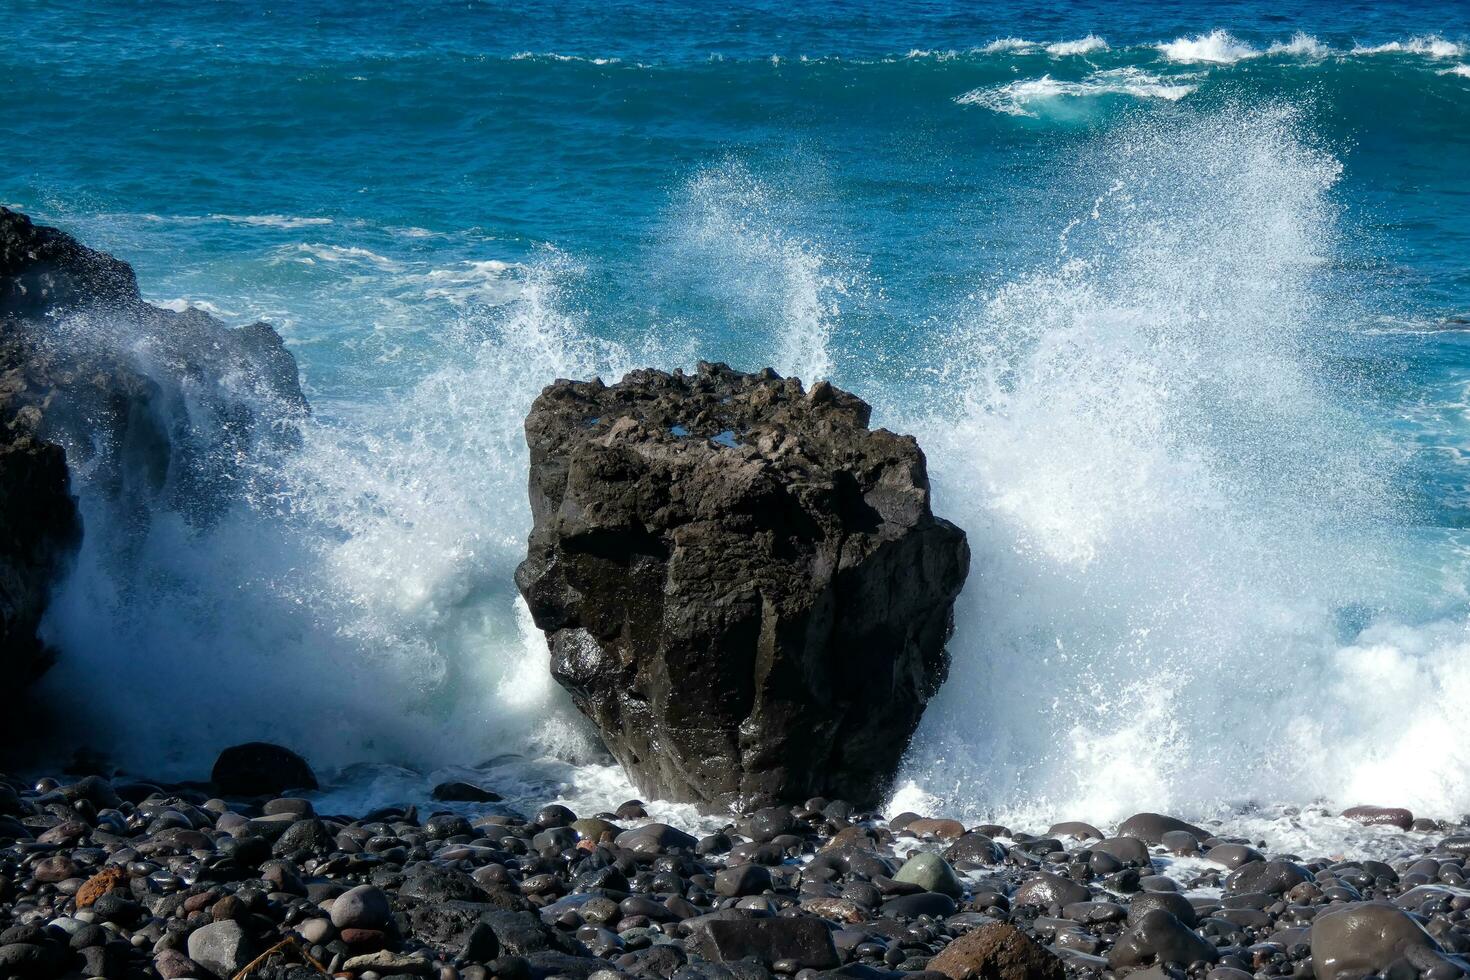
[{"x": 741, "y": 584}]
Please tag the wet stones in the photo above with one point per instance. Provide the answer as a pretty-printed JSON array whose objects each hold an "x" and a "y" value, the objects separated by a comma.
[
  {"x": 742, "y": 585},
  {"x": 492, "y": 895}
]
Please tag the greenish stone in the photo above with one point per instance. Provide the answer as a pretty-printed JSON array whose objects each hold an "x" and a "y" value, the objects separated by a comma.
[{"x": 932, "y": 873}]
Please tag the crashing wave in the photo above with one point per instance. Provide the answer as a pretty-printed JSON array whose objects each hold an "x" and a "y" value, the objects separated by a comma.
[
  {"x": 1216, "y": 48},
  {"x": 1084, "y": 45}
]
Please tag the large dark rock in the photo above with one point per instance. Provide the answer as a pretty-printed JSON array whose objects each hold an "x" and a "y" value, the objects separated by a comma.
[
  {"x": 160, "y": 407},
  {"x": 742, "y": 585},
  {"x": 260, "y": 769}
]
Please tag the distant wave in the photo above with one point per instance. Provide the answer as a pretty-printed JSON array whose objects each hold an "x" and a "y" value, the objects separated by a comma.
[
  {"x": 1009, "y": 44},
  {"x": 1020, "y": 98},
  {"x": 1429, "y": 44},
  {"x": 1216, "y": 47},
  {"x": 553, "y": 56},
  {"x": 270, "y": 220},
  {"x": 1084, "y": 45},
  {"x": 1462, "y": 70}
]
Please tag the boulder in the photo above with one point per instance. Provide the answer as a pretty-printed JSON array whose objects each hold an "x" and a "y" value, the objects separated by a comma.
[
  {"x": 261, "y": 769},
  {"x": 997, "y": 951},
  {"x": 156, "y": 405},
  {"x": 1363, "y": 938},
  {"x": 1151, "y": 827},
  {"x": 222, "y": 948},
  {"x": 805, "y": 941},
  {"x": 742, "y": 585}
]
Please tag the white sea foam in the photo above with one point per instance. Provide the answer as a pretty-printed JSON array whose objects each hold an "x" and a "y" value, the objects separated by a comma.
[
  {"x": 1024, "y": 98},
  {"x": 1431, "y": 45},
  {"x": 180, "y": 305},
  {"x": 1216, "y": 47},
  {"x": 490, "y": 282},
  {"x": 1301, "y": 45},
  {"x": 1462, "y": 70},
  {"x": 1085, "y": 45},
  {"x": 351, "y": 254},
  {"x": 271, "y": 220}
]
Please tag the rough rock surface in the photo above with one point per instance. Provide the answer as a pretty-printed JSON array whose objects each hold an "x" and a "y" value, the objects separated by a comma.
[
  {"x": 997, "y": 951},
  {"x": 743, "y": 586},
  {"x": 158, "y": 405}
]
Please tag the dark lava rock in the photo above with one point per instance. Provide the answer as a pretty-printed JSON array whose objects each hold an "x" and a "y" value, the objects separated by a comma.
[
  {"x": 39, "y": 530},
  {"x": 260, "y": 769},
  {"x": 997, "y": 951},
  {"x": 460, "y": 792},
  {"x": 158, "y": 406},
  {"x": 806, "y": 942},
  {"x": 742, "y": 585}
]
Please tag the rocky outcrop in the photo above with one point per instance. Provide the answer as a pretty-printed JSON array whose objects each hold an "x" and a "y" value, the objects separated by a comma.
[
  {"x": 742, "y": 585},
  {"x": 160, "y": 407}
]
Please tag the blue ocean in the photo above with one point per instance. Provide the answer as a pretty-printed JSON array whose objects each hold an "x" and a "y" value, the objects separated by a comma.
[{"x": 1176, "y": 298}]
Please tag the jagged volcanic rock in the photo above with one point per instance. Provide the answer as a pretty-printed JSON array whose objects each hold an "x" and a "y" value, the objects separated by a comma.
[{"x": 742, "y": 585}]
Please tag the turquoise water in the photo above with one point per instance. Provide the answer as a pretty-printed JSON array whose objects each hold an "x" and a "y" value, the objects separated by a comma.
[{"x": 1173, "y": 297}]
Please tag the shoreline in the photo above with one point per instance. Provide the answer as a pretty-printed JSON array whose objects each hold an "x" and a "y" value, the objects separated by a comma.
[{"x": 122, "y": 881}]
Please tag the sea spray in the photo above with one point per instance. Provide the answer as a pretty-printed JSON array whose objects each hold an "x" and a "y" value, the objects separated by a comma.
[
  {"x": 738, "y": 241},
  {"x": 354, "y": 598},
  {"x": 1179, "y": 528}
]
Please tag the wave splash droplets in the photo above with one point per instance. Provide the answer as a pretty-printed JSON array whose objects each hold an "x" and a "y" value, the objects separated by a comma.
[
  {"x": 1169, "y": 512},
  {"x": 786, "y": 288}
]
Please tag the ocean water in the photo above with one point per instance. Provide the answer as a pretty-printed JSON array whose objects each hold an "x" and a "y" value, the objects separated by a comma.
[{"x": 1174, "y": 296}]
